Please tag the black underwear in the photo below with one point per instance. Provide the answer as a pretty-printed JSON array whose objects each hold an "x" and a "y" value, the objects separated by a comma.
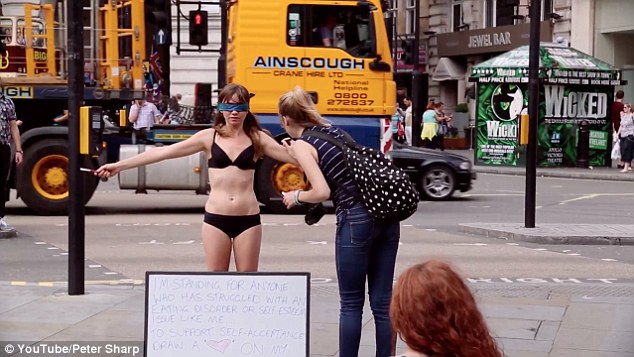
[{"x": 232, "y": 226}]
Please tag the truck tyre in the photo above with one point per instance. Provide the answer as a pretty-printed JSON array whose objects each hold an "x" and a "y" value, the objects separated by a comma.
[
  {"x": 42, "y": 179},
  {"x": 272, "y": 178},
  {"x": 437, "y": 182}
]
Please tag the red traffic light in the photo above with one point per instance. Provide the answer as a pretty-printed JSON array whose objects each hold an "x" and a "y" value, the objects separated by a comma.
[{"x": 198, "y": 19}]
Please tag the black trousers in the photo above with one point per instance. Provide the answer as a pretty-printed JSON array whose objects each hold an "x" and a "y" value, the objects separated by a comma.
[{"x": 5, "y": 163}]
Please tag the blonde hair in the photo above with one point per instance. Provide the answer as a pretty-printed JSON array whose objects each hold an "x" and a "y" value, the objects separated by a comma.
[{"x": 298, "y": 105}]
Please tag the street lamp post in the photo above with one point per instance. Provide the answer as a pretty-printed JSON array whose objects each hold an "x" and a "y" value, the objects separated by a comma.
[
  {"x": 416, "y": 78},
  {"x": 533, "y": 113}
]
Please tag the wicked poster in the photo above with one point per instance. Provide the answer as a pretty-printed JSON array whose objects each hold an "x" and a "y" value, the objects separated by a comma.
[
  {"x": 499, "y": 108},
  {"x": 562, "y": 111}
]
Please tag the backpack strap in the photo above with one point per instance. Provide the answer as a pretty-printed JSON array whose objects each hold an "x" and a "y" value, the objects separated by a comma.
[
  {"x": 348, "y": 139},
  {"x": 329, "y": 138}
]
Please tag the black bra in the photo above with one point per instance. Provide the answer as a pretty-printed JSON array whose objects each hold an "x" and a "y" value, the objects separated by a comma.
[{"x": 219, "y": 158}]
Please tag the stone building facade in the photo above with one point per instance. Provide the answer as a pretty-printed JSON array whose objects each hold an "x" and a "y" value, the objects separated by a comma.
[{"x": 458, "y": 34}]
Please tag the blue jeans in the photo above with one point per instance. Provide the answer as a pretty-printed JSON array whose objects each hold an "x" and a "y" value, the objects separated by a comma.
[{"x": 364, "y": 248}]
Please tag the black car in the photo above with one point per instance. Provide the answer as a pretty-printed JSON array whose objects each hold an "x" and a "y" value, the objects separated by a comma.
[{"x": 436, "y": 174}]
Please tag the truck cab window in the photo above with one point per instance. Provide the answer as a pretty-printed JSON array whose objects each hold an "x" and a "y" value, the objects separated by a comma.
[
  {"x": 37, "y": 29},
  {"x": 6, "y": 31},
  {"x": 349, "y": 28}
]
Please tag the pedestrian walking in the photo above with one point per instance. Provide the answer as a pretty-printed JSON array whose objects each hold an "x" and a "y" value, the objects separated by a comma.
[
  {"x": 9, "y": 132},
  {"x": 615, "y": 112},
  {"x": 435, "y": 314},
  {"x": 365, "y": 249},
  {"x": 233, "y": 146},
  {"x": 626, "y": 133},
  {"x": 430, "y": 126}
]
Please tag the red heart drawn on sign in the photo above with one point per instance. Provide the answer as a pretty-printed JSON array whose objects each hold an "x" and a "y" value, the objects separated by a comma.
[{"x": 220, "y": 346}]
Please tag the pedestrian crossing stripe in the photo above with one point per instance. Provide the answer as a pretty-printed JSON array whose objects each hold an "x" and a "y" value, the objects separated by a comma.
[{"x": 122, "y": 282}]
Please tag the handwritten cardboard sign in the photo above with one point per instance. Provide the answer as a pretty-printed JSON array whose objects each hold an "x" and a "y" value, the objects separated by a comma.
[{"x": 227, "y": 314}]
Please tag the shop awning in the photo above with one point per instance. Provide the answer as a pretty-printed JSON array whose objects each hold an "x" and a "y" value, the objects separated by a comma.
[
  {"x": 448, "y": 70},
  {"x": 557, "y": 65}
]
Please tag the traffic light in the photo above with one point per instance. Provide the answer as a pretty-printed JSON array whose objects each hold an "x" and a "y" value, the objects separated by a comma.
[
  {"x": 198, "y": 28},
  {"x": 157, "y": 15},
  {"x": 407, "y": 56}
]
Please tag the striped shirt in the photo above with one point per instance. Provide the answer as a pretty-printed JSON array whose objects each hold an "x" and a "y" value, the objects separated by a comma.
[{"x": 343, "y": 189}]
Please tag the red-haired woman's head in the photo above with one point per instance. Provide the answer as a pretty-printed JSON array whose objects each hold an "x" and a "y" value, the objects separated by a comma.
[{"x": 435, "y": 313}]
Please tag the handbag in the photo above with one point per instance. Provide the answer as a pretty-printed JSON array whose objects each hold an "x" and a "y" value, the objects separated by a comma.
[
  {"x": 400, "y": 131},
  {"x": 616, "y": 151},
  {"x": 443, "y": 129}
]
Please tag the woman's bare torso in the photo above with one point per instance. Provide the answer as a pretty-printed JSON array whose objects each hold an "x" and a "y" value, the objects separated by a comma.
[{"x": 231, "y": 188}]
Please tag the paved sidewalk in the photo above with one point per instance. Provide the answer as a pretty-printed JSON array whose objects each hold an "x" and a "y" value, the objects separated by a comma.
[
  {"x": 584, "y": 234},
  {"x": 596, "y": 173},
  {"x": 543, "y": 324}
]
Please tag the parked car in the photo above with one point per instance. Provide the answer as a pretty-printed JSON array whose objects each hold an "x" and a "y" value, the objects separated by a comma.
[{"x": 436, "y": 174}]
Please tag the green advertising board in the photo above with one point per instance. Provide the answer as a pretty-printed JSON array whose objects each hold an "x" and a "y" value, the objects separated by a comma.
[{"x": 575, "y": 88}]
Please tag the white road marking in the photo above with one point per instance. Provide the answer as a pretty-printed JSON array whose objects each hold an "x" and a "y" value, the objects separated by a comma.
[
  {"x": 184, "y": 242},
  {"x": 431, "y": 230},
  {"x": 407, "y": 225},
  {"x": 566, "y": 251},
  {"x": 512, "y": 243},
  {"x": 312, "y": 242},
  {"x": 578, "y": 199},
  {"x": 540, "y": 249},
  {"x": 40, "y": 243},
  {"x": 110, "y": 273},
  {"x": 472, "y": 244},
  {"x": 511, "y": 191},
  {"x": 65, "y": 253},
  {"x": 153, "y": 241},
  {"x": 609, "y": 260},
  {"x": 573, "y": 254},
  {"x": 94, "y": 266},
  {"x": 52, "y": 248},
  {"x": 491, "y": 194},
  {"x": 150, "y": 224}
]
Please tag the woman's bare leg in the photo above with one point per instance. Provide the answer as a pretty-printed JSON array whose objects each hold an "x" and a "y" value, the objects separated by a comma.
[
  {"x": 217, "y": 247},
  {"x": 246, "y": 249}
]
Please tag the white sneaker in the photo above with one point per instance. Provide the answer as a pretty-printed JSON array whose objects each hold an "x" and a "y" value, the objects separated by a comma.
[{"x": 4, "y": 226}]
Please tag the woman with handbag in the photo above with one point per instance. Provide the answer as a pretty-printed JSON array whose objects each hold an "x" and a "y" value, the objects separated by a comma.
[
  {"x": 626, "y": 133},
  {"x": 365, "y": 248},
  {"x": 443, "y": 126}
]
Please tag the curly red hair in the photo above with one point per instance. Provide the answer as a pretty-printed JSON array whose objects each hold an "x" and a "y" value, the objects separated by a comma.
[{"x": 435, "y": 313}]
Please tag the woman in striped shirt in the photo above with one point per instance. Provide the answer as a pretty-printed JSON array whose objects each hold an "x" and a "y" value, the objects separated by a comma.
[{"x": 364, "y": 248}]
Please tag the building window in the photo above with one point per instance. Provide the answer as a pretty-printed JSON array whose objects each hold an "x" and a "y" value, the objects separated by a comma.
[
  {"x": 498, "y": 13},
  {"x": 547, "y": 9},
  {"x": 456, "y": 15},
  {"x": 410, "y": 16}
]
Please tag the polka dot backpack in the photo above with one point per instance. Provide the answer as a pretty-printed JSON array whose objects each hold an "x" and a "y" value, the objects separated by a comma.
[{"x": 386, "y": 189}]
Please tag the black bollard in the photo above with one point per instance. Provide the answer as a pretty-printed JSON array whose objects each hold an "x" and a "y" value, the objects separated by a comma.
[{"x": 583, "y": 145}]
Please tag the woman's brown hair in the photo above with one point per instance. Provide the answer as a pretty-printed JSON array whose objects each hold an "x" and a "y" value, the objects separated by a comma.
[
  {"x": 435, "y": 313},
  {"x": 251, "y": 125}
]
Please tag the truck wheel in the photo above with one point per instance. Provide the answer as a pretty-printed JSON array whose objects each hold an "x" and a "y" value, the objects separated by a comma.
[
  {"x": 437, "y": 183},
  {"x": 275, "y": 177},
  {"x": 42, "y": 179}
]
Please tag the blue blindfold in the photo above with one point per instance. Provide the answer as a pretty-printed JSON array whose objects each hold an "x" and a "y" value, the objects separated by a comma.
[{"x": 231, "y": 107}]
